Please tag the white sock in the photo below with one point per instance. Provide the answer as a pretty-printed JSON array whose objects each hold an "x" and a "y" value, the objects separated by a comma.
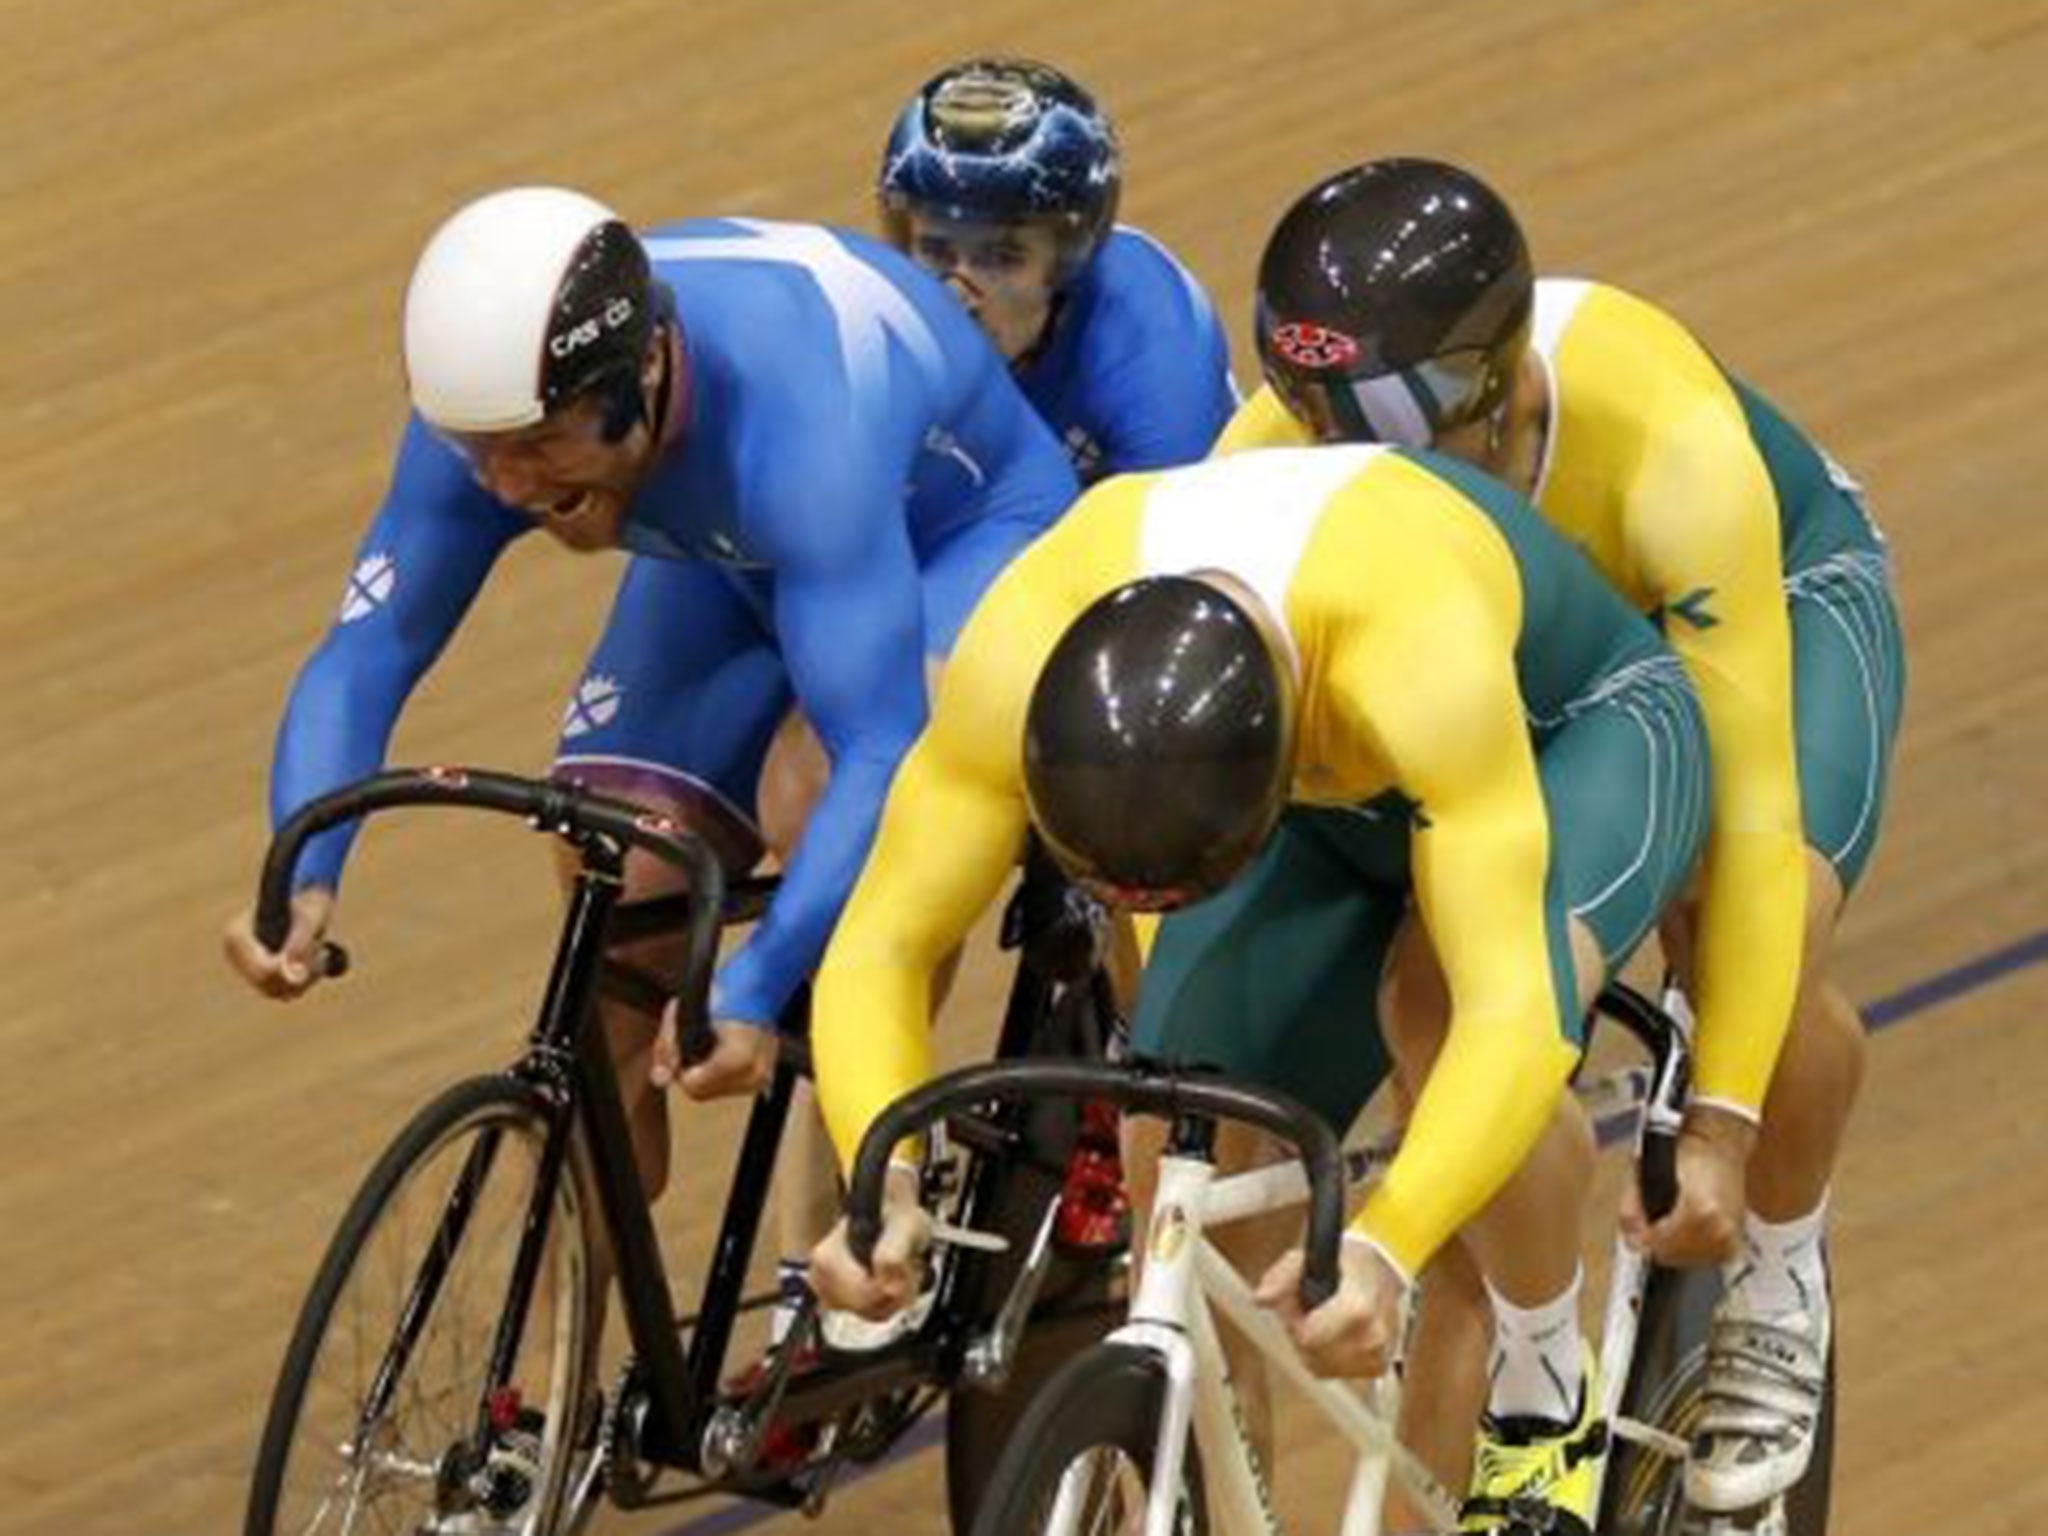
[
  {"x": 792, "y": 1283},
  {"x": 1783, "y": 1265},
  {"x": 1536, "y": 1367}
]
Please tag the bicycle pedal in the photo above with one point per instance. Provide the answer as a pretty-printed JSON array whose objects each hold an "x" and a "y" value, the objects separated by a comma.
[{"x": 967, "y": 1237}]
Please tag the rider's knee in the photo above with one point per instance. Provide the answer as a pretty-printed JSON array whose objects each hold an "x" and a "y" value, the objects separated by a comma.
[
  {"x": 1823, "y": 1015},
  {"x": 1824, "y": 898}
]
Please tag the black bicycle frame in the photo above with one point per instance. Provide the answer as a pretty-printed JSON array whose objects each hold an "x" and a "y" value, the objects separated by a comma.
[
  {"x": 569, "y": 1063},
  {"x": 426, "y": 1286}
]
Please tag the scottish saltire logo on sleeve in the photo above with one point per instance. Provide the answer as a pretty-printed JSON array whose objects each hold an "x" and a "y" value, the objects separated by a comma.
[
  {"x": 592, "y": 706},
  {"x": 370, "y": 586}
]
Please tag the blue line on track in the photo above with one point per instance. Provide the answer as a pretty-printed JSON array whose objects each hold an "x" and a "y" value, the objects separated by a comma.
[
  {"x": 1896, "y": 1008},
  {"x": 1955, "y": 982}
]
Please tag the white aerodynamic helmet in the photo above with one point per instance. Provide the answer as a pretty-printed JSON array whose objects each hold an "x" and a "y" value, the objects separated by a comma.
[{"x": 522, "y": 301}]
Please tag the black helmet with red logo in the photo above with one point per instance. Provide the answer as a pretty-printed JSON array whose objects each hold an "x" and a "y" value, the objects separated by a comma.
[{"x": 1394, "y": 302}]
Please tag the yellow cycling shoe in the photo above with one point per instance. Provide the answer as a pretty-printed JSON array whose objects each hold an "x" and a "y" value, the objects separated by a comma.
[{"x": 1532, "y": 1476}]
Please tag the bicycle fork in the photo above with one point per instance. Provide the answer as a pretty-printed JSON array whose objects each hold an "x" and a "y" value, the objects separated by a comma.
[
  {"x": 497, "y": 1404},
  {"x": 1168, "y": 1320}
]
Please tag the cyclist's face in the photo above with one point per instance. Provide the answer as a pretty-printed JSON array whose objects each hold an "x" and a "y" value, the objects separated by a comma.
[
  {"x": 1508, "y": 443},
  {"x": 1002, "y": 272},
  {"x": 562, "y": 472}
]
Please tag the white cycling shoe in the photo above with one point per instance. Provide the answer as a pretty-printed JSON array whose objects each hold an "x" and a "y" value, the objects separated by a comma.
[
  {"x": 850, "y": 1333},
  {"x": 1766, "y": 1383}
]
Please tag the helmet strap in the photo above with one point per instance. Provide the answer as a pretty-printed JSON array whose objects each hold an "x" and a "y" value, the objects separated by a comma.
[
  {"x": 668, "y": 333},
  {"x": 626, "y": 397},
  {"x": 623, "y": 404},
  {"x": 664, "y": 386},
  {"x": 1497, "y": 426}
]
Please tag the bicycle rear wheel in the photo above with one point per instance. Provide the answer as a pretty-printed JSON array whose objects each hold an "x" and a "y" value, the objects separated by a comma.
[
  {"x": 376, "y": 1422},
  {"x": 1090, "y": 1434},
  {"x": 1645, "y": 1492}
]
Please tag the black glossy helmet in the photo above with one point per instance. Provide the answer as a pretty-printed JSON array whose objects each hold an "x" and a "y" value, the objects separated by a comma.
[
  {"x": 1004, "y": 141},
  {"x": 1159, "y": 745},
  {"x": 1394, "y": 302}
]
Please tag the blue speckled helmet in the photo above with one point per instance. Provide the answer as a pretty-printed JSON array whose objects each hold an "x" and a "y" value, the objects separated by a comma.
[{"x": 1004, "y": 141}]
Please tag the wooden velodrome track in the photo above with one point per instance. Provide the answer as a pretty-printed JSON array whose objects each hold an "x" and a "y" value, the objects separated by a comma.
[{"x": 210, "y": 208}]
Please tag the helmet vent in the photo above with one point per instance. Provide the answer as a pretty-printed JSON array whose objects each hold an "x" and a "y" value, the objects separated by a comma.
[{"x": 983, "y": 113}]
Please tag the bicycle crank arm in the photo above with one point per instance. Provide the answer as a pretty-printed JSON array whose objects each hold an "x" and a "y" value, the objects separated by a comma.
[
  {"x": 1649, "y": 1437},
  {"x": 989, "y": 1357},
  {"x": 967, "y": 1237}
]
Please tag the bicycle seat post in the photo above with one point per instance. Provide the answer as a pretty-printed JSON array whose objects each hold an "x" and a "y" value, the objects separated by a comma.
[{"x": 572, "y": 979}]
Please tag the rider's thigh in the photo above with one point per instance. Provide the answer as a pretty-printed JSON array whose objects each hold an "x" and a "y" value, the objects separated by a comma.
[
  {"x": 1415, "y": 1003},
  {"x": 1273, "y": 979},
  {"x": 680, "y": 700},
  {"x": 1848, "y": 693}
]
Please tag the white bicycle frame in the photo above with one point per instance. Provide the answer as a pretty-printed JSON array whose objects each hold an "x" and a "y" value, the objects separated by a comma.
[{"x": 1184, "y": 1277}]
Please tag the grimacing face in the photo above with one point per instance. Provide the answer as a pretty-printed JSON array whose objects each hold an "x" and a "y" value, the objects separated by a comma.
[
  {"x": 1003, "y": 273},
  {"x": 562, "y": 472}
]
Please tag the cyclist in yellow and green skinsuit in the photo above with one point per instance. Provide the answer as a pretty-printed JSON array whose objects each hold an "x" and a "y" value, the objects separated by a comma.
[
  {"x": 1505, "y": 765},
  {"x": 1397, "y": 304}
]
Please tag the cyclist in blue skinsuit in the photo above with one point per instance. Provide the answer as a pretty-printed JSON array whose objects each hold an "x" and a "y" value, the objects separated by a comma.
[
  {"x": 1002, "y": 177},
  {"x": 817, "y": 462}
]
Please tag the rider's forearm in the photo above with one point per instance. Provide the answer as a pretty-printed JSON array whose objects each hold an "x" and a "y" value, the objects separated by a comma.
[
  {"x": 1746, "y": 964},
  {"x": 1736, "y": 643},
  {"x": 760, "y": 977},
  {"x": 418, "y": 568},
  {"x": 870, "y": 1038},
  {"x": 946, "y": 843},
  {"x": 1493, "y": 1090},
  {"x": 336, "y": 728}
]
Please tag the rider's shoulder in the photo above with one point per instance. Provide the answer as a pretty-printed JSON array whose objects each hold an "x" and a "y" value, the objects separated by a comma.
[{"x": 1136, "y": 283}]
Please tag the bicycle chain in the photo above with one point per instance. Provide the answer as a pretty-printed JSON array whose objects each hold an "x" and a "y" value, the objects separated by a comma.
[{"x": 628, "y": 1477}]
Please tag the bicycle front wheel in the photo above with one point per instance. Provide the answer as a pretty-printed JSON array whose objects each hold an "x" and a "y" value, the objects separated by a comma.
[
  {"x": 381, "y": 1420},
  {"x": 1081, "y": 1461}
]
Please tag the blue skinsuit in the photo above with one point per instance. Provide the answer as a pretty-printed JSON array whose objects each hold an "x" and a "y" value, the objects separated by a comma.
[
  {"x": 1136, "y": 372},
  {"x": 856, "y": 466}
]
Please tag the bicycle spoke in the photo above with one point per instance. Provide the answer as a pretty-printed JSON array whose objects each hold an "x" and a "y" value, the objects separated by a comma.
[
  {"x": 1101, "y": 1492},
  {"x": 386, "y": 1426}
]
